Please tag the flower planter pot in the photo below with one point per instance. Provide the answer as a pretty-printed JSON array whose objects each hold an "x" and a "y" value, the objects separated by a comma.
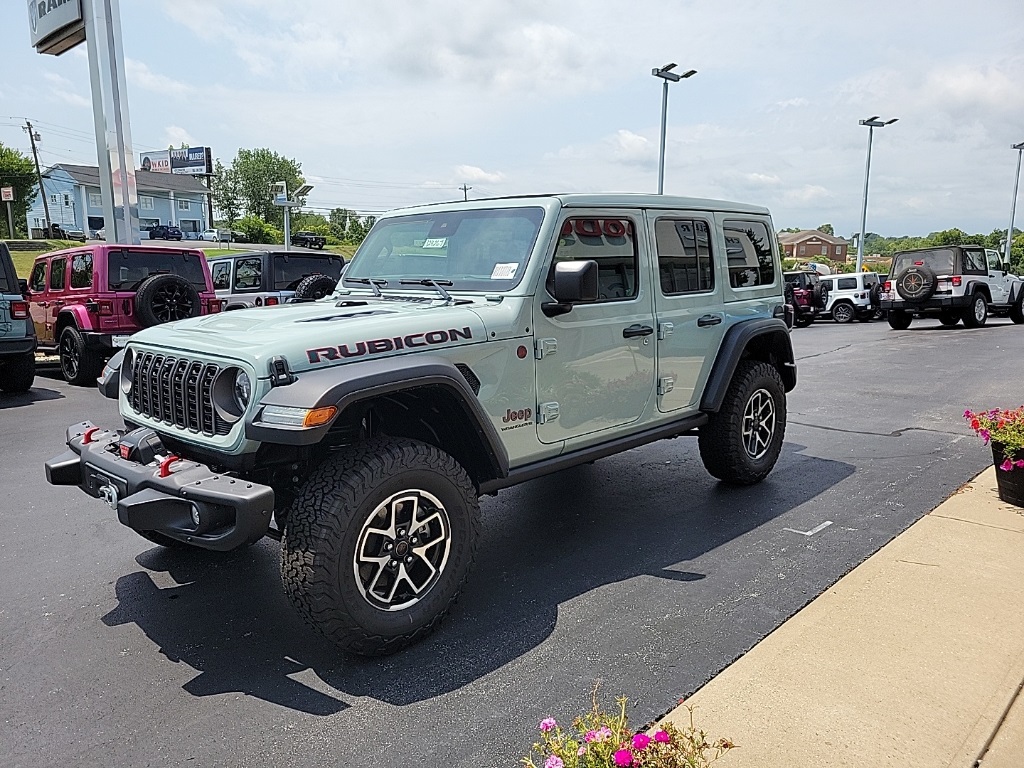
[{"x": 1009, "y": 483}]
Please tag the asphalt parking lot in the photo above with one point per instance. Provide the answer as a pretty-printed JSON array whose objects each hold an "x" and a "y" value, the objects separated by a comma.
[{"x": 639, "y": 571}]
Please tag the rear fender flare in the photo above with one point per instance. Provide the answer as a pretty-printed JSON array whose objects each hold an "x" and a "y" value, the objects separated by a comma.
[
  {"x": 763, "y": 339},
  {"x": 76, "y": 315}
]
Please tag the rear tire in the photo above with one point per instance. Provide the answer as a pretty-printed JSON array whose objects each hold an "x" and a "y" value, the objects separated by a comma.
[
  {"x": 949, "y": 319},
  {"x": 741, "y": 443},
  {"x": 80, "y": 366},
  {"x": 1017, "y": 313},
  {"x": 17, "y": 373},
  {"x": 379, "y": 543},
  {"x": 900, "y": 320},
  {"x": 976, "y": 315},
  {"x": 802, "y": 321},
  {"x": 843, "y": 312}
]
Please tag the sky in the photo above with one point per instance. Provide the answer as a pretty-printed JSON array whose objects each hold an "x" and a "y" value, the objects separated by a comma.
[{"x": 399, "y": 103}]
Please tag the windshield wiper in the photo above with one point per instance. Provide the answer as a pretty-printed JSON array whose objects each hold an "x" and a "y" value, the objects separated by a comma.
[
  {"x": 373, "y": 282},
  {"x": 431, "y": 283}
]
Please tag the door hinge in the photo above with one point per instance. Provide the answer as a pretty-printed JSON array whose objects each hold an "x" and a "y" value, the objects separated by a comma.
[
  {"x": 547, "y": 412},
  {"x": 665, "y": 330},
  {"x": 666, "y": 384},
  {"x": 544, "y": 347}
]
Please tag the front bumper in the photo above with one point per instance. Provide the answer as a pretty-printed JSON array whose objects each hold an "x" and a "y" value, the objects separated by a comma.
[
  {"x": 935, "y": 304},
  {"x": 230, "y": 511}
]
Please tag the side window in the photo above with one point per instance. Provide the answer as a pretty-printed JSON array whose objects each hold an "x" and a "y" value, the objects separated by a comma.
[
  {"x": 81, "y": 270},
  {"x": 37, "y": 280},
  {"x": 609, "y": 242},
  {"x": 684, "y": 256},
  {"x": 974, "y": 261},
  {"x": 846, "y": 283},
  {"x": 221, "y": 274},
  {"x": 748, "y": 250},
  {"x": 994, "y": 264},
  {"x": 248, "y": 274},
  {"x": 58, "y": 270},
  {"x": 870, "y": 279}
]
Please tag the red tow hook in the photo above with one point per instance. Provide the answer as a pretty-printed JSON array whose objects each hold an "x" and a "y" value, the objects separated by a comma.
[
  {"x": 87, "y": 436},
  {"x": 165, "y": 466}
]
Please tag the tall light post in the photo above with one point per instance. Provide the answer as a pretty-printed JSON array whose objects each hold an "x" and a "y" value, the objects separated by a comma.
[
  {"x": 1013, "y": 201},
  {"x": 872, "y": 123},
  {"x": 668, "y": 76}
]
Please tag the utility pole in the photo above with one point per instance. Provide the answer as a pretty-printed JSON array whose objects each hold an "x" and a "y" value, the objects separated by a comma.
[
  {"x": 32, "y": 136},
  {"x": 465, "y": 191}
]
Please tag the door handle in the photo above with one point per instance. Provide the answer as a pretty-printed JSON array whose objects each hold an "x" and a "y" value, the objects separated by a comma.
[
  {"x": 706, "y": 321},
  {"x": 637, "y": 330},
  {"x": 44, "y": 303}
]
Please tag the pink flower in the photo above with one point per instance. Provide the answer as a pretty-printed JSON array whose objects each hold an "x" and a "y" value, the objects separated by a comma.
[
  {"x": 603, "y": 733},
  {"x": 967, "y": 413},
  {"x": 547, "y": 724},
  {"x": 641, "y": 740},
  {"x": 581, "y": 751},
  {"x": 1019, "y": 463},
  {"x": 662, "y": 737},
  {"x": 985, "y": 435},
  {"x": 1006, "y": 466},
  {"x": 590, "y": 736},
  {"x": 623, "y": 757},
  {"x": 554, "y": 762}
]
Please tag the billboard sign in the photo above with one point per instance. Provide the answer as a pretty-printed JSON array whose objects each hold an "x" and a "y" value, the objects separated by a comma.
[
  {"x": 55, "y": 25},
  {"x": 192, "y": 161}
]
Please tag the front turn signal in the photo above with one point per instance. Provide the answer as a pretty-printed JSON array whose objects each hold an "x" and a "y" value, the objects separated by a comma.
[{"x": 319, "y": 416}]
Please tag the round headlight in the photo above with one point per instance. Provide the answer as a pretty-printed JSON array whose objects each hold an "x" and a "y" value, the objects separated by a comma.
[
  {"x": 127, "y": 371},
  {"x": 243, "y": 390}
]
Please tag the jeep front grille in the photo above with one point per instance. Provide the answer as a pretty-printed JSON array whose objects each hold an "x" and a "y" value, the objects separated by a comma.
[{"x": 176, "y": 391}]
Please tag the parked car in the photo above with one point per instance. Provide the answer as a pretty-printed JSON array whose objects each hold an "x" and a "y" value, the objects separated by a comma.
[
  {"x": 17, "y": 334},
  {"x": 856, "y": 295},
  {"x": 66, "y": 232},
  {"x": 216, "y": 235},
  {"x": 268, "y": 278},
  {"x": 473, "y": 350},
  {"x": 164, "y": 232},
  {"x": 952, "y": 283},
  {"x": 309, "y": 240},
  {"x": 807, "y": 295},
  {"x": 239, "y": 237},
  {"x": 86, "y": 302}
]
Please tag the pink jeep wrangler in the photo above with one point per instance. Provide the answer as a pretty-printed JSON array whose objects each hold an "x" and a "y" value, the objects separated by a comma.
[{"x": 85, "y": 302}]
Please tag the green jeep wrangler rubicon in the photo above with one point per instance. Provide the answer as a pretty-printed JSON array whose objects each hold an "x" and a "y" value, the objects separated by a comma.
[{"x": 468, "y": 347}]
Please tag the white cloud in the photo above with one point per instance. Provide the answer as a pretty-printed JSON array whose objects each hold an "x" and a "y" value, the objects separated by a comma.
[
  {"x": 808, "y": 193},
  {"x": 58, "y": 80},
  {"x": 176, "y": 136},
  {"x": 762, "y": 179},
  {"x": 70, "y": 97},
  {"x": 139, "y": 74},
  {"x": 799, "y": 101},
  {"x": 472, "y": 173}
]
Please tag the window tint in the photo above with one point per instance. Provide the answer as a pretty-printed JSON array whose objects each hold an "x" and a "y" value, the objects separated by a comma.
[
  {"x": 846, "y": 283},
  {"x": 609, "y": 242},
  {"x": 994, "y": 263},
  {"x": 684, "y": 255},
  {"x": 37, "y": 280},
  {"x": 974, "y": 261},
  {"x": 248, "y": 273},
  {"x": 940, "y": 261},
  {"x": 748, "y": 250},
  {"x": 127, "y": 269},
  {"x": 290, "y": 270},
  {"x": 221, "y": 273},
  {"x": 81, "y": 270},
  {"x": 58, "y": 269},
  {"x": 870, "y": 279}
]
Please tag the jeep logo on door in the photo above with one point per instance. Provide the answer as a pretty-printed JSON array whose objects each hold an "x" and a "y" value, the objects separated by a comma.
[{"x": 394, "y": 344}]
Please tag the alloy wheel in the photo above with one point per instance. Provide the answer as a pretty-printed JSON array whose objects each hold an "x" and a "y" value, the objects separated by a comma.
[
  {"x": 758, "y": 423},
  {"x": 68, "y": 357},
  {"x": 172, "y": 303}
]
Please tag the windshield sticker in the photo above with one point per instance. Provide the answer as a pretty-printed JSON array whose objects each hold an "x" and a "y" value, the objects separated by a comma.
[
  {"x": 435, "y": 242},
  {"x": 504, "y": 271}
]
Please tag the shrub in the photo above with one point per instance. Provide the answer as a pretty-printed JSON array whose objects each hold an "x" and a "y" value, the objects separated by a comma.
[{"x": 258, "y": 231}]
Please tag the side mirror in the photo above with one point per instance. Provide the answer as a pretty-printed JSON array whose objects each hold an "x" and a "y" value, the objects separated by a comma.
[
  {"x": 575, "y": 282},
  {"x": 23, "y": 287}
]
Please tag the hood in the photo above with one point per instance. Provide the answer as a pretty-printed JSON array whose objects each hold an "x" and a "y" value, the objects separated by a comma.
[{"x": 319, "y": 334}]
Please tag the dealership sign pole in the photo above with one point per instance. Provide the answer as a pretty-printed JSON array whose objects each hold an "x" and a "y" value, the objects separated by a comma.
[{"x": 56, "y": 27}]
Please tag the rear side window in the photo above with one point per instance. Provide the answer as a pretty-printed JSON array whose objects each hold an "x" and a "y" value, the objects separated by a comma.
[
  {"x": 290, "y": 270},
  {"x": 127, "y": 269},
  {"x": 81, "y": 270},
  {"x": 221, "y": 273},
  {"x": 37, "y": 280},
  {"x": 58, "y": 270},
  {"x": 684, "y": 256},
  {"x": 748, "y": 250},
  {"x": 248, "y": 274},
  {"x": 609, "y": 242},
  {"x": 846, "y": 283},
  {"x": 974, "y": 261}
]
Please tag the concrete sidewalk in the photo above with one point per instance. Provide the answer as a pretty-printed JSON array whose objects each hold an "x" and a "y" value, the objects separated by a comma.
[{"x": 914, "y": 658}]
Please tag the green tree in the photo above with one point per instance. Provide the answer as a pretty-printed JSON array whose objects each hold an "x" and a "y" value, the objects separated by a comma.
[
  {"x": 827, "y": 229},
  {"x": 254, "y": 170},
  {"x": 16, "y": 170},
  {"x": 226, "y": 195}
]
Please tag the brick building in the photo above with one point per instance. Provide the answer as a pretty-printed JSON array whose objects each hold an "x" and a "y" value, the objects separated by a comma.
[{"x": 811, "y": 244}]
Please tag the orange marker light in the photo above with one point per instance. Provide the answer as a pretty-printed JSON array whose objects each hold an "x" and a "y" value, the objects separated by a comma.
[{"x": 318, "y": 416}]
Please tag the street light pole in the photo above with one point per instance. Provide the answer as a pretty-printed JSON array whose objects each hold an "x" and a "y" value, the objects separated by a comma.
[
  {"x": 1013, "y": 201},
  {"x": 872, "y": 123},
  {"x": 666, "y": 74}
]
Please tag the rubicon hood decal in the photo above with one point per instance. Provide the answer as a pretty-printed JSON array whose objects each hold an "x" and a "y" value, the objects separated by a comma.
[{"x": 377, "y": 346}]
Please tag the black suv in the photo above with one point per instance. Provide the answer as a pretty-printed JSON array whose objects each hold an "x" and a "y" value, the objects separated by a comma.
[
  {"x": 268, "y": 278},
  {"x": 17, "y": 332},
  {"x": 164, "y": 232}
]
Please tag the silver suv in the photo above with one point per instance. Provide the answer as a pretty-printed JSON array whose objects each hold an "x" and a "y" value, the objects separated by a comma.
[
  {"x": 853, "y": 296},
  {"x": 951, "y": 282},
  {"x": 268, "y": 278}
]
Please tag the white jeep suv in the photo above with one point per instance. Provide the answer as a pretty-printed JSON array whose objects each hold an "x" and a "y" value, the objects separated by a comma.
[
  {"x": 852, "y": 296},
  {"x": 951, "y": 282}
]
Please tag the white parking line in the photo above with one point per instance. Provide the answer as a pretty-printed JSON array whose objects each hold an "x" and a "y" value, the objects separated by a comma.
[{"x": 814, "y": 530}]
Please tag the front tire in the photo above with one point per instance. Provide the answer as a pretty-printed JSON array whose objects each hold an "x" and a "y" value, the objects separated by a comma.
[
  {"x": 18, "y": 373},
  {"x": 976, "y": 315},
  {"x": 949, "y": 319},
  {"x": 1017, "y": 312},
  {"x": 79, "y": 365},
  {"x": 379, "y": 542},
  {"x": 900, "y": 320},
  {"x": 741, "y": 443}
]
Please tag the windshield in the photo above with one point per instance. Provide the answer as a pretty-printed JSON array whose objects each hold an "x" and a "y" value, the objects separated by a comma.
[
  {"x": 939, "y": 261},
  {"x": 127, "y": 269},
  {"x": 289, "y": 270},
  {"x": 484, "y": 250}
]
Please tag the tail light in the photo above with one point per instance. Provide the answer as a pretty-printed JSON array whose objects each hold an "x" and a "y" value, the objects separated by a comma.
[
  {"x": 215, "y": 306},
  {"x": 956, "y": 280},
  {"x": 271, "y": 301},
  {"x": 105, "y": 307},
  {"x": 887, "y": 287},
  {"x": 19, "y": 310}
]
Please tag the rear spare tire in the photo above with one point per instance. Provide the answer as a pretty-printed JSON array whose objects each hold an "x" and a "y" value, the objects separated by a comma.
[
  {"x": 916, "y": 283},
  {"x": 163, "y": 298},
  {"x": 315, "y": 287}
]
